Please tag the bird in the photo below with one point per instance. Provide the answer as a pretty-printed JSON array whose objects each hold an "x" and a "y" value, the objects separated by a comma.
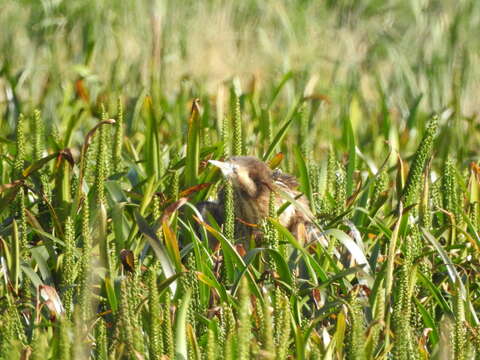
[{"x": 253, "y": 182}]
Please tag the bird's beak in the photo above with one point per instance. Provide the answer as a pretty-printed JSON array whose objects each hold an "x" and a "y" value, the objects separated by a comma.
[{"x": 225, "y": 167}]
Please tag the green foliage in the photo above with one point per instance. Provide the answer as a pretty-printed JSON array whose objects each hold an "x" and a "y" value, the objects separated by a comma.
[
  {"x": 154, "y": 317},
  {"x": 459, "y": 337},
  {"x": 118, "y": 139},
  {"x": 450, "y": 191},
  {"x": 20, "y": 151},
  {"x": 340, "y": 191},
  {"x": 413, "y": 185},
  {"x": 64, "y": 340},
  {"x": 244, "y": 327},
  {"x": 404, "y": 344},
  {"x": 93, "y": 213},
  {"x": 237, "y": 129},
  {"x": 282, "y": 328},
  {"x": 356, "y": 339},
  {"x": 266, "y": 326},
  {"x": 68, "y": 267},
  {"x": 101, "y": 168},
  {"x": 167, "y": 329},
  {"x": 101, "y": 340},
  {"x": 85, "y": 271}
]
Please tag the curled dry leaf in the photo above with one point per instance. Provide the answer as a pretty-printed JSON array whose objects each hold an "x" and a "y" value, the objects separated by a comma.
[
  {"x": 88, "y": 138},
  {"x": 276, "y": 160},
  {"x": 81, "y": 91},
  {"x": 128, "y": 260},
  {"x": 193, "y": 189},
  {"x": 318, "y": 298},
  {"x": 172, "y": 208}
]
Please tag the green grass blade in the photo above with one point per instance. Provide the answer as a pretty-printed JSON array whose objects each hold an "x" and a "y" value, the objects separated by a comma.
[{"x": 181, "y": 351}]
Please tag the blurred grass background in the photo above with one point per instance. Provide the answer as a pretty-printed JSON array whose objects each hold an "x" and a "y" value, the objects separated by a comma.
[
  {"x": 346, "y": 90},
  {"x": 388, "y": 55}
]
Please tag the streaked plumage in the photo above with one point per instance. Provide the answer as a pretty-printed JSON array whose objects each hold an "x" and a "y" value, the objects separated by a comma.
[{"x": 253, "y": 181}]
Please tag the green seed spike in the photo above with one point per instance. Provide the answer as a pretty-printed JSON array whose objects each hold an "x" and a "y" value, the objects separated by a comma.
[
  {"x": 38, "y": 153},
  {"x": 84, "y": 289},
  {"x": 154, "y": 316},
  {"x": 101, "y": 342},
  {"x": 404, "y": 346},
  {"x": 356, "y": 340},
  {"x": 88, "y": 164},
  {"x": 426, "y": 206},
  {"x": 11, "y": 329},
  {"x": 229, "y": 352},
  {"x": 272, "y": 234},
  {"x": 226, "y": 137},
  {"x": 20, "y": 148},
  {"x": 69, "y": 271},
  {"x": 174, "y": 186},
  {"x": 129, "y": 317},
  {"x": 376, "y": 328},
  {"x": 39, "y": 345},
  {"x": 108, "y": 143},
  {"x": 331, "y": 169},
  {"x": 125, "y": 319},
  {"x": 101, "y": 168},
  {"x": 117, "y": 147},
  {"x": 460, "y": 330},
  {"x": 450, "y": 190},
  {"x": 379, "y": 187},
  {"x": 282, "y": 324},
  {"x": 156, "y": 213},
  {"x": 228, "y": 324},
  {"x": 64, "y": 340},
  {"x": 19, "y": 206},
  {"x": 190, "y": 281},
  {"x": 411, "y": 191},
  {"x": 244, "y": 326},
  {"x": 38, "y": 136},
  {"x": 211, "y": 345},
  {"x": 23, "y": 223},
  {"x": 222, "y": 331},
  {"x": 237, "y": 129},
  {"x": 135, "y": 295},
  {"x": 277, "y": 314},
  {"x": 167, "y": 329},
  {"x": 437, "y": 200},
  {"x": 315, "y": 179},
  {"x": 340, "y": 191},
  {"x": 229, "y": 226}
]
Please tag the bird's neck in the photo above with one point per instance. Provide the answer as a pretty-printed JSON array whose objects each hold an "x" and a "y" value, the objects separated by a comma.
[{"x": 252, "y": 209}]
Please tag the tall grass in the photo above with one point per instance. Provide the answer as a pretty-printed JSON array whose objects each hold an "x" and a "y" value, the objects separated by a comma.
[{"x": 109, "y": 113}]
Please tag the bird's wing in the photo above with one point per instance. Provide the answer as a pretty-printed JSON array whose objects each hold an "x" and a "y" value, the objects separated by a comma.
[{"x": 285, "y": 180}]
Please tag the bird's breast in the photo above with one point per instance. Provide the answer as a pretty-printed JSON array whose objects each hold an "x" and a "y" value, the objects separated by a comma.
[{"x": 252, "y": 210}]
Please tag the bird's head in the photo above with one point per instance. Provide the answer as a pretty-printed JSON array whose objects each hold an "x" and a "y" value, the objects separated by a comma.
[{"x": 248, "y": 175}]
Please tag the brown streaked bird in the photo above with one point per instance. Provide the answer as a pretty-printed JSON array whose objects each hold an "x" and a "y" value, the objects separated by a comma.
[{"x": 253, "y": 181}]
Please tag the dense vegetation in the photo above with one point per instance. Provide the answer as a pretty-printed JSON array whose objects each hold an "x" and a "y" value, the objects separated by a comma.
[{"x": 103, "y": 157}]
